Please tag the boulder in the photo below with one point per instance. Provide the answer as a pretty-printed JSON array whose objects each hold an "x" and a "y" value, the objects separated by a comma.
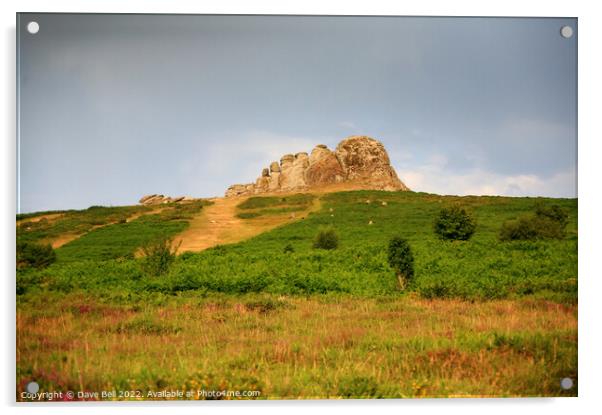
[
  {"x": 324, "y": 167},
  {"x": 274, "y": 167},
  {"x": 366, "y": 161}
]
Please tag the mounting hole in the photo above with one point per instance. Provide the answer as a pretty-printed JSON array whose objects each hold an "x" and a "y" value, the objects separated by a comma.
[
  {"x": 566, "y": 32},
  {"x": 32, "y": 387},
  {"x": 33, "y": 27},
  {"x": 566, "y": 383}
]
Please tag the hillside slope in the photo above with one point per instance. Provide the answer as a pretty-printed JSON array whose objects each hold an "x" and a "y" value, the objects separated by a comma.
[{"x": 282, "y": 260}]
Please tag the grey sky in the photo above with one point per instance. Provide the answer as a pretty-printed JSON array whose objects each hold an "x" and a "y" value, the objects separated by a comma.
[{"x": 116, "y": 106}]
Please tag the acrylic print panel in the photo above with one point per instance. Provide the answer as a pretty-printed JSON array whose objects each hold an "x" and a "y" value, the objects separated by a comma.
[{"x": 295, "y": 207}]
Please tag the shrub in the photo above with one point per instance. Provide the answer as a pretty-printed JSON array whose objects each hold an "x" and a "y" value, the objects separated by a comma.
[
  {"x": 327, "y": 238},
  {"x": 401, "y": 260},
  {"x": 530, "y": 228},
  {"x": 454, "y": 223},
  {"x": 158, "y": 256},
  {"x": 548, "y": 222},
  {"x": 288, "y": 249},
  {"x": 553, "y": 212},
  {"x": 34, "y": 255}
]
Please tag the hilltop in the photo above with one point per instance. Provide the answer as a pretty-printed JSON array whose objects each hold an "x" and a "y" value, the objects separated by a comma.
[{"x": 358, "y": 162}]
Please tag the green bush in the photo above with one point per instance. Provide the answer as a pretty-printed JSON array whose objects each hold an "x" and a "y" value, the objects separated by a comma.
[
  {"x": 454, "y": 223},
  {"x": 548, "y": 222},
  {"x": 30, "y": 254},
  {"x": 401, "y": 260},
  {"x": 531, "y": 227},
  {"x": 553, "y": 212},
  {"x": 327, "y": 238},
  {"x": 288, "y": 249},
  {"x": 158, "y": 256}
]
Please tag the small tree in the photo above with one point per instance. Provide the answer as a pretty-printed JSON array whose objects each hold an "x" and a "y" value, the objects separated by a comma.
[
  {"x": 34, "y": 255},
  {"x": 401, "y": 260},
  {"x": 454, "y": 223},
  {"x": 327, "y": 238},
  {"x": 159, "y": 255}
]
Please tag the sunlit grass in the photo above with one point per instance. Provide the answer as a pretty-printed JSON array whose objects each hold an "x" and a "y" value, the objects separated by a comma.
[{"x": 291, "y": 347}]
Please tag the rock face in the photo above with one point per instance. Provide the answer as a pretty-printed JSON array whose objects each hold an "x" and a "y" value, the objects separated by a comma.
[
  {"x": 160, "y": 199},
  {"x": 365, "y": 160},
  {"x": 359, "y": 160}
]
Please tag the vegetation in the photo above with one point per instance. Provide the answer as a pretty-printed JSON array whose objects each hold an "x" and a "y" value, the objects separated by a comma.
[
  {"x": 261, "y": 206},
  {"x": 297, "y": 347},
  {"x": 401, "y": 260},
  {"x": 30, "y": 254},
  {"x": 478, "y": 269},
  {"x": 548, "y": 222},
  {"x": 327, "y": 238},
  {"x": 159, "y": 255},
  {"x": 477, "y": 318},
  {"x": 454, "y": 223},
  {"x": 74, "y": 222},
  {"x": 271, "y": 201}
]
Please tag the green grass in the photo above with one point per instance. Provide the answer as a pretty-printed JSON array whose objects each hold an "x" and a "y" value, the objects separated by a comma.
[
  {"x": 480, "y": 318},
  {"x": 30, "y": 215},
  {"x": 262, "y": 206},
  {"x": 122, "y": 240},
  {"x": 271, "y": 201},
  {"x": 75, "y": 222},
  {"x": 479, "y": 269}
]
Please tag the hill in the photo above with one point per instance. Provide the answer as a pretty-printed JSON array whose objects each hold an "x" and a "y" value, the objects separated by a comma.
[
  {"x": 269, "y": 313},
  {"x": 481, "y": 268}
]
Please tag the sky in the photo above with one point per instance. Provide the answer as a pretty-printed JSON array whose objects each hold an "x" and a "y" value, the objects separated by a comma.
[{"x": 113, "y": 107}]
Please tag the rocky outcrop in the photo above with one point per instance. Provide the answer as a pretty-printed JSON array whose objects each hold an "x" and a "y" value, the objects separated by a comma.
[
  {"x": 324, "y": 167},
  {"x": 365, "y": 160},
  {"x": 155, "y": 199},
  {"x": 358, "y": 160}
]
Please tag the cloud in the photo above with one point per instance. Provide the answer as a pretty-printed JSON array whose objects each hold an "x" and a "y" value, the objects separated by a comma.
[{"x": 434, "y": 177}]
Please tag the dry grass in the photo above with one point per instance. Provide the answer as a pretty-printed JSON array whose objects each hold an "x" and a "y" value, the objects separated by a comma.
[{"x": 290, "y": 347}]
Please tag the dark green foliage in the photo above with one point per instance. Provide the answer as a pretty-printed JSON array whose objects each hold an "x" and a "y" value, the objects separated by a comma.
[
  {"x": 401, "y": 259},
  {"x": 454, "y": 223},
  {"x": 479, "y": 269},
  {"x": 358, "y": 387},
  {"x": 158, "y": 256},
  {"x": 30, "y": 254},
  {"x": 288, "y": 248},
  {"x": 327, "y": 238},
  {"x": 552, "y": 212},
  {"x": 548, "y": 222}
]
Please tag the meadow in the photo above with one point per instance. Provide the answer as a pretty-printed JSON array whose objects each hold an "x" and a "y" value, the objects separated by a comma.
[{"x": 481, "y": 317}]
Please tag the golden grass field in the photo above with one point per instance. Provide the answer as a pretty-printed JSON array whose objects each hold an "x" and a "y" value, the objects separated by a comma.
[{"x": 296, "y": 347}]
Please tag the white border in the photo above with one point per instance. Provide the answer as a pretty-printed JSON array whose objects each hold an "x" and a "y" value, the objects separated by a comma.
[{"x": 590, "y": 136}]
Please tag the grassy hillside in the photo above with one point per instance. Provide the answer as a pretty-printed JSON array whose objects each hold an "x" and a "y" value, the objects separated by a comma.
[
  {"x": 275, "y": 315},
  {"x": 481, "y": 268}
]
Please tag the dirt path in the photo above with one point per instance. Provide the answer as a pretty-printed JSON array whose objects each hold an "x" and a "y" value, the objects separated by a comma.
[
  {"x": 68, "y": 237},
  {"x": 217, "y": 224},
  {"x": 50, "y": 217}
]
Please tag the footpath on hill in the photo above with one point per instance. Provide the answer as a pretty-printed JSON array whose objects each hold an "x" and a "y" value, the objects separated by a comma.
[{"x": 218, "y": 224}]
